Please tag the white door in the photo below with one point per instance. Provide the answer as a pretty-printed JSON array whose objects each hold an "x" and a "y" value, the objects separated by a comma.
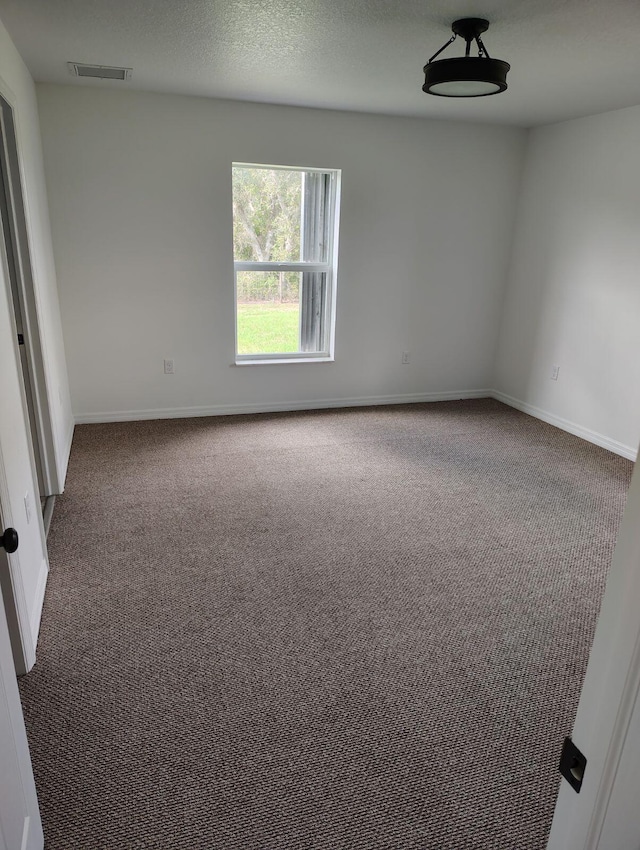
[
  {"x": 20, "y": 825},
  {"x": 605, "y": 815},
  {"x": 23, "y": 575},
  {"x": 621, "y": 824}
]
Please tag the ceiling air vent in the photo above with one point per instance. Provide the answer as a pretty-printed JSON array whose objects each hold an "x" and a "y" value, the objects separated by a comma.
[{"x": 101, "y": 72}]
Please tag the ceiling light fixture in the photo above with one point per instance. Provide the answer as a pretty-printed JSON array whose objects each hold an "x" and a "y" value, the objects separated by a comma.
[{"x": 466, "y": 76}]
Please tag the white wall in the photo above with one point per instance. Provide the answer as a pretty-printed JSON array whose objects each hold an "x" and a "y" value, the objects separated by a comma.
[
  {"x": 140, "y": 193},
  {"x": 18, "y": 88},
  {"x": 573, "y": 297}
]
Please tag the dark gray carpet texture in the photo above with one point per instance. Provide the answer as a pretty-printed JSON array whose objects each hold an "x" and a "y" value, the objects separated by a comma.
[{"x": 363, "y": 628}]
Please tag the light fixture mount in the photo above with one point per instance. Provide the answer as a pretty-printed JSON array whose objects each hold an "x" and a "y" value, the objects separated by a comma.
[
  {"x": 466, "y": 76},
  {"x": 470, "y": 28}
]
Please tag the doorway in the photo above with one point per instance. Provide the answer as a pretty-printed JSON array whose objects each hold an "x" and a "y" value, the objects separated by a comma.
[{"x": 14, "y": 233}]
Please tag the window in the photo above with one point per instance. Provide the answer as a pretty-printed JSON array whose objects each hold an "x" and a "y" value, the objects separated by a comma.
[{"x": 284, "y": 251}]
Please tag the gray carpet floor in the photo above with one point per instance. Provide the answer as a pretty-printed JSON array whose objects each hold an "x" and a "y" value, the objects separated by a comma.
[{"x": 359, "y": 628}]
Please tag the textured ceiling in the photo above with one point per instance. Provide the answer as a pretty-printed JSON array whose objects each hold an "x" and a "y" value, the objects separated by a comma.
[{"x": 569, "y": 57}]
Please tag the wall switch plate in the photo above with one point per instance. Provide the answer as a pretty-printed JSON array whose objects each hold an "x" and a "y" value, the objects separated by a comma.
[
  {"x": 405, "y": 357},
  {"x": 555, "y": 370},
  {"x": 169, "y": 367},
  {"x": 27, "y": 506}
]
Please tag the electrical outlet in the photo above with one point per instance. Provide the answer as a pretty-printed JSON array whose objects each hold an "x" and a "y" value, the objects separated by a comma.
[
  {"x": 169, "y": 367},
  {"x": 405, "y": 357},
  {"x": 27, "y": 506},
  {"x": 555, "y": 371}
]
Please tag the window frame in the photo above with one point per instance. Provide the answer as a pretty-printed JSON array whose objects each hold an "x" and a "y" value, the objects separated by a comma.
[{"x": 328, "y": 268}]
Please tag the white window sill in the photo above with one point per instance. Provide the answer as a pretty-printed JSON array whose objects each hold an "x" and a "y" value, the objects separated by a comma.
[{"x": 281, "y": 360}]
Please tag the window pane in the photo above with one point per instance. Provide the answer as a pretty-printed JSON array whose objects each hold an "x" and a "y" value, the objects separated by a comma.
[
  {"x": 268, "y": 310},
  {"x": 267, "y": 212},
  {"x": 316, "y": 187}
]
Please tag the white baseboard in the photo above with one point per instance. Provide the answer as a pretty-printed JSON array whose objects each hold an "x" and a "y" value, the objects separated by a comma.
[
  {"x": 360, "y": 401},
  {"x": 566, "y": 425},
  {"x": 35, "y": 614},
  {"x": 277, "y": 407}
]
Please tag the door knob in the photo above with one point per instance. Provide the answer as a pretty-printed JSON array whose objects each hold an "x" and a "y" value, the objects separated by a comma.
[{"x": 9, "y": 540}]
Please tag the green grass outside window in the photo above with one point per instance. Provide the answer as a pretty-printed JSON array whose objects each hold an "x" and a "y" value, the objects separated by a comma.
[{"x": 268, "y": 328}]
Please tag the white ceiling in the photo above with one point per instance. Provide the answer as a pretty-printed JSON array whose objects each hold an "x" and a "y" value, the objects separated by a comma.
[{"x": 569, "y": 57}]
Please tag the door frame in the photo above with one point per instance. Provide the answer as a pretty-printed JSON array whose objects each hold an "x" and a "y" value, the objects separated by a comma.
[
  {"x": 23, "y": 642},
  {"x": 39, "y": 401},
  {"x": 22, "y": 631}
]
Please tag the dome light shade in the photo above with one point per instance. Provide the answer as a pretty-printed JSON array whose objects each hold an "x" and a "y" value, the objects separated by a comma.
[{"x": 466, "y": 76}]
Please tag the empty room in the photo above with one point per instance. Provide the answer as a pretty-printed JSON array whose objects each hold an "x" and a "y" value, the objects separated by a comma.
[{"x": 319, "y": 340}]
